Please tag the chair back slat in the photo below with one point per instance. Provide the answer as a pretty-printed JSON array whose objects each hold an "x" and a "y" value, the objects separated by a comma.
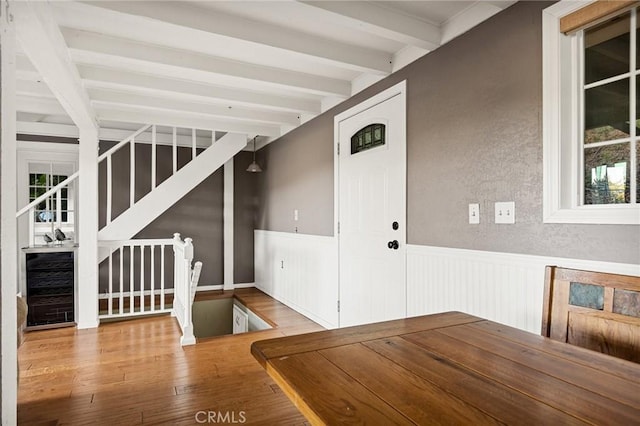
[{"x": 595, "y": 310}]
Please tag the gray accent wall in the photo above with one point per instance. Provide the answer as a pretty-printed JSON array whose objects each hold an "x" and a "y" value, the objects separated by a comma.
[
  {"x": 474, "y": 135},
  {"x": 245, "y": 204}
]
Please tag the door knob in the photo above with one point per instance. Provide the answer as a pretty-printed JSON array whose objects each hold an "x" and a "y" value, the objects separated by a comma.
[{"x": 393, "y": 244}]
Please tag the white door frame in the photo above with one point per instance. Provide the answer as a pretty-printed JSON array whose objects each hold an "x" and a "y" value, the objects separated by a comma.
[{"x": 399, "y": 89}]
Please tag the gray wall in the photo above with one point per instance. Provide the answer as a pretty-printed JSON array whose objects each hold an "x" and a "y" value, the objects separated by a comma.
[
  {"x": 197, "y": 215},
  {"x": 474, "y": 134},
  {"x": 245, "y": 202}
]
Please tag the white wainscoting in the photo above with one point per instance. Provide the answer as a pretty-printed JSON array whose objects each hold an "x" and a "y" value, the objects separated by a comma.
[
  {"x": 301, "y": 271},
  {"x": 506, "y": 288}
]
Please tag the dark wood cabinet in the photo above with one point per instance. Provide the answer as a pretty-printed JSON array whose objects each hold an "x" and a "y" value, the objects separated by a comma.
[{"x": 50, "y": 279}]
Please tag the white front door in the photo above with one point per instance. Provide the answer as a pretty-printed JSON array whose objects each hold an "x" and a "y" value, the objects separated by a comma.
[{"x": 372, "y": 209}]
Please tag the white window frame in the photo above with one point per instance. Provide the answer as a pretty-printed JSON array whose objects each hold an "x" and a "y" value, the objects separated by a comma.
[
  {"x": 562, "y": 200},
  {"x": 44, "y": 152}
]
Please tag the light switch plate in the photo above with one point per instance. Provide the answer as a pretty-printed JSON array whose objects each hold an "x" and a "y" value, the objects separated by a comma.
[
  {"x": 295, "y": 215},
  {"x": 506, "y": 212},
  {"x": 474, "y": 214}
]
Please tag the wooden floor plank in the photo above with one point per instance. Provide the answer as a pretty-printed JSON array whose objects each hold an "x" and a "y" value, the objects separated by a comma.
[
  {"x": 501, "y": 402},
  {"x": 418, "y": 399},
  {"x": 136, "y": 372},
  {"x": 545, "y": 388}
]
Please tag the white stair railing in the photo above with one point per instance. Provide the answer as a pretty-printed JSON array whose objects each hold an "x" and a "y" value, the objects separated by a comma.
[
  {"x": 131, "y": 142},
  {"x": 185, "y": 283},
  {"x": 144, "y": 263},
  {"x": 131, "y": 293},
  {"x": 54, "y": 218}
]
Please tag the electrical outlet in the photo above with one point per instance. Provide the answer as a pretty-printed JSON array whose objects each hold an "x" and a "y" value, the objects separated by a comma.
[
  {"x": 506, "y": 212},
  {"x": 295, "y": 215},
  {"x": 474, "y": 214}
]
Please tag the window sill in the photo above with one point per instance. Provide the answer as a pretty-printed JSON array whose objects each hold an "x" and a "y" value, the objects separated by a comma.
[{"x": 596, "y": 215}]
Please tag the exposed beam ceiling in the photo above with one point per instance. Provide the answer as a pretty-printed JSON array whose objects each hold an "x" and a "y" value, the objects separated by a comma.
[
  {"x": 256, "y": 67},
  {"x": 376, "y": 20},
  {"x": 39, "y": 36}
]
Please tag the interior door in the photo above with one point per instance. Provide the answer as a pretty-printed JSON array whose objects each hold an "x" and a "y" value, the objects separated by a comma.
[{"x": 372, "y": 213}]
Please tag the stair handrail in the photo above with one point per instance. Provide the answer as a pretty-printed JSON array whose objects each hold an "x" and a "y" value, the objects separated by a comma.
[
  {"x": 47, "y": 194},
  {"x": 131, "y": 139},
  {"x": 123, "y": 142},
  {"x": 30, "y": 208}
]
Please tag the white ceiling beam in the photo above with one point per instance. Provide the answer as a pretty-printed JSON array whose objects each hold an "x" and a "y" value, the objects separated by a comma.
[
  {"x": 41, "y": 40},
  {"x": 71, "y": 131},
  {"x": 170, "y": 118},
  {"x": 105, "y": 78},
  {"x": 33, "y": 88},
  {"x": 98, "y": 49},
  {"x": 470, "y": 17},
  {"x": 38, "y": 105},
  {"x": 382, "y": 22},
  {"x": 48, "y": 129},
  {"x": 179, "y": 24},
  {"x": 112, "y": 98}
]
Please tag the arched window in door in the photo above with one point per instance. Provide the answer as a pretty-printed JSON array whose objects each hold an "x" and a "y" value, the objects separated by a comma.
[{"x": 368, "y": 137}]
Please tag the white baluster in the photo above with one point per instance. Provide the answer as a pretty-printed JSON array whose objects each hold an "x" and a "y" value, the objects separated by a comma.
[
  {"x": 152, "y": 277},
  {"x": 32, "y": 226},
  {"x": 141, "y": 278},
  {"x": 121, "y": 299},
  {"x": 162, "y": 277},
  {"x": 153, "y": 157},
  {"x": 59, "y": 208},
  {"x": 131, "y": 280},
  {"x": 193, "y": 144},
  {"x": 132, "y": 168},
  {"x": 175, "y": 150},
  {"x": 109, "y": 188},
  {"x": 110, "y": 295}
]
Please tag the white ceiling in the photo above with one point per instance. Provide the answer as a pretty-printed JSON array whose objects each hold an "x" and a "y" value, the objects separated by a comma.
[{"x": 255, "y": 67}]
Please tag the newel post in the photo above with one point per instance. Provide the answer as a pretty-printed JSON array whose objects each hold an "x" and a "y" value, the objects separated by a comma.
[{"x": 188, "y": 337}]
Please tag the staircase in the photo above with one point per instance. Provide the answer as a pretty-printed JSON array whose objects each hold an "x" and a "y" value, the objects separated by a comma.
[
  {"x": 160, "y": 197},
  {"x": 147, "y": 294}
]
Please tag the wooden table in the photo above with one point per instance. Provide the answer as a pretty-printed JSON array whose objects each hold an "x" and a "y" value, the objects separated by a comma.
[{"x": 449, "y": 368}]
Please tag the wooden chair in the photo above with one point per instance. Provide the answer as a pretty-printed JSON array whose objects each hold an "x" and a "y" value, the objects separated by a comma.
[{"x": 594, "y": 310}]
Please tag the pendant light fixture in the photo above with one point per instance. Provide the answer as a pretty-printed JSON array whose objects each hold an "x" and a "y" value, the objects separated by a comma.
[{"x": 254, "y": 167}]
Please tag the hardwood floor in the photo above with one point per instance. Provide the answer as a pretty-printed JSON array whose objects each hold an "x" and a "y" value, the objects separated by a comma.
[{"x": 136, "y": 372}]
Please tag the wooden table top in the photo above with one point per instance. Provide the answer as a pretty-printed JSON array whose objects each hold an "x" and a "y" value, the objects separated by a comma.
[{"x": 449, "y": 368}]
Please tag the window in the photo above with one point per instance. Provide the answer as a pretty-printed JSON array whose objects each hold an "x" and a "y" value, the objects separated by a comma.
[
  {"x": 47, "y": 210},
  {"x": 41, "y": 166},
  {"x": 368, "y": 137},
  {"x": 591, "y": 86}
]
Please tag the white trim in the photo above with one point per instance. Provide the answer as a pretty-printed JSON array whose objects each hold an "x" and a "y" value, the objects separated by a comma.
[
  {"x": 87, "y": 294},
  {"x": 244, "y": 285},
  {"x": 228, "y": 234},
  {"x": 8, "y": 229},
  {"x": 561, "y": 171}
]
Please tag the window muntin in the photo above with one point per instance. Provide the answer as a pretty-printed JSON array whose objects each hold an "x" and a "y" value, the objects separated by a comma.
[
  {"x": 368, "y": 137},
  {"x": 47, "y": 210},
  {"x": 609, "y": 98}
]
